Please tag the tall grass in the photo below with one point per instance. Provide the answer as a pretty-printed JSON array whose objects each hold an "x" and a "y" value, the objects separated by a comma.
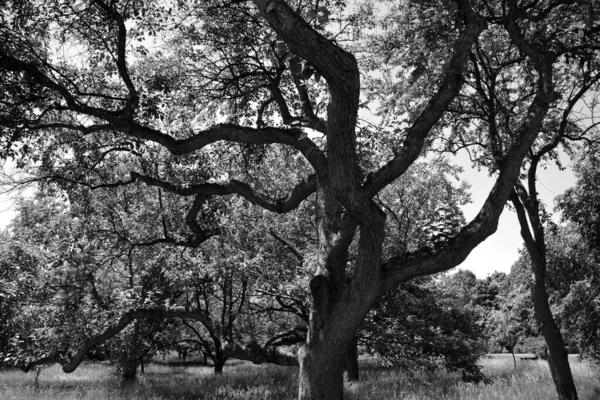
[{"x": 530, "y": 381}]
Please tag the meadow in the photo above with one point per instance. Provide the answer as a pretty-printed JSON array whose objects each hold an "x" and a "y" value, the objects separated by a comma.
[{"x": 98, "y": 381}]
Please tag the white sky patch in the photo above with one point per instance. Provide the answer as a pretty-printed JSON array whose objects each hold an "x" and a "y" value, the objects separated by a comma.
[
  {"x": 499, "y": 251},
  {"x": 9, "y": 198},
  {"x": 7, "y": 212}
]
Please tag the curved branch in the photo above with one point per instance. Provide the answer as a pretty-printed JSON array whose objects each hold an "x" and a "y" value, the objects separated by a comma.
[
  {"x": 449, "y": 88},
  {"x": 427, "y": 261},
  {"x": 293, "y": 336},
  {"x": 233, "y": 133},
  {"x": 340, "y": 70},
  {"x": 121, "y": 57},
  {"x": 11, "y": 63},
  {"x": 289, "y": 246},
  {"x": 70, "y": 365},
  {"x": 282, "y": 205},
  {"x": 336, "y": 65},
  {"x": 258, "y": 354},
  {"x": 120, "y": 120}
]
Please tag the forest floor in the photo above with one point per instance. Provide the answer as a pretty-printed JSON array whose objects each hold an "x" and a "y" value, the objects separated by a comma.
[{"x": 244, "y": 381}]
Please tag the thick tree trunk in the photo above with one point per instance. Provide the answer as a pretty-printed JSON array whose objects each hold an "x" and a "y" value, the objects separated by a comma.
[
  {"x": 220, "y": 360},
  {"x": 321, "y": 372},
  {"x": 219, "y": 368},
  {"x": 128, "y": 367},
  {"x": 130, "y": 355},
  {"x": 352, "y": 361},
  {"x": 321, "y": 359},
  {"x": 558, "y": 359},
  {"x": 336, "y": 313}
]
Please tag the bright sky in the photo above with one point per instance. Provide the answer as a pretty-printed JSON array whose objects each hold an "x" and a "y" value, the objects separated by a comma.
[
  {"x": 6, "y": 202},
  {"x": 6, "y": 212},
  {"x": 500, "y": 250}
]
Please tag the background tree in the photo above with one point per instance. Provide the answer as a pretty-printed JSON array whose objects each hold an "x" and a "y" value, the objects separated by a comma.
[
  {"x": 419, "y": 326},
  {"x": 495, "y": 108},
  {"x": 18, "y": 277},
  {"x": 512, "y": 320},
  {"x": 82, "y": 283},
  {"x": 149, "y": 284},
  {"x": 425, "y": 325},
  {"x": 580, "y": 205}
]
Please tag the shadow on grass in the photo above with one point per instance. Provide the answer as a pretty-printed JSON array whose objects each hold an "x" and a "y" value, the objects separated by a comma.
[
  {"x": 237, "y": 382},
  {"x": 245, "y": 381}
]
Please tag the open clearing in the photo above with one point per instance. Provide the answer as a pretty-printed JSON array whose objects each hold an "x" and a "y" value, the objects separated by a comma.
[{"x": 530, "y": 381}]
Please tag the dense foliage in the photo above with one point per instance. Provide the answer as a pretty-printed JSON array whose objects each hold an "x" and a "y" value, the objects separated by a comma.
[{"x": 175, "y": 107}]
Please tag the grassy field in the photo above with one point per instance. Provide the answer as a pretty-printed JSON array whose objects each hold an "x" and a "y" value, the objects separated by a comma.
[{"x": 530, "y": 381}]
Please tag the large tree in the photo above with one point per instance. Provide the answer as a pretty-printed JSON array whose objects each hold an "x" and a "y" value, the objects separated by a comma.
[{"x": 87, "y": 86}]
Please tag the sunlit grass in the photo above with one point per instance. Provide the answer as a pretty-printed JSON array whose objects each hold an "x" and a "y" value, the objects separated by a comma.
[{"x": 530, "y": 381}]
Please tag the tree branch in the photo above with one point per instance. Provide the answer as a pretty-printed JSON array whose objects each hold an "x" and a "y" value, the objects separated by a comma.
[
  {"x": 70, "y": 365},
  {"x": 427, "y": 261},
  {"x": 258, "y": 354},
  {"x": 282, "y": 205},
  {"x": 449, "y": 88},
  {"x": 290, "y": 247},
  {"x": 237, "y": 134},
  {"x": 293, "y": 336}
]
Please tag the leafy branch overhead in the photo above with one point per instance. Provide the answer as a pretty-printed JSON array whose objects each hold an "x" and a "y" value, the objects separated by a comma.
[{"x": 204, "y": 104}]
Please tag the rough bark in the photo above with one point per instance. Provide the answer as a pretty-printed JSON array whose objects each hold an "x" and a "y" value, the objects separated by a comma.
[
  {"x": 352, "y": 370},
  {"x": 321, "y": 372},
  {"x": 343, "y": 203},
  {"x": 338, "y": 310},
  {"x": 558, "y": 359},
  {"x": 130, "y": 354}
]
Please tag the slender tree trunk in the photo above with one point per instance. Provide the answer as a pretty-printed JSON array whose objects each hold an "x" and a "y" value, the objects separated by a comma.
[
  {"x": 512, "y": 351},
  {"x": 352, "y": 361},
  {"x": 558, "y": 359}
]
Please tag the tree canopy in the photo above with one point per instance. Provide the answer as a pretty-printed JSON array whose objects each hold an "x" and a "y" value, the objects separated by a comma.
[{"x": 263, "y": 100}]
